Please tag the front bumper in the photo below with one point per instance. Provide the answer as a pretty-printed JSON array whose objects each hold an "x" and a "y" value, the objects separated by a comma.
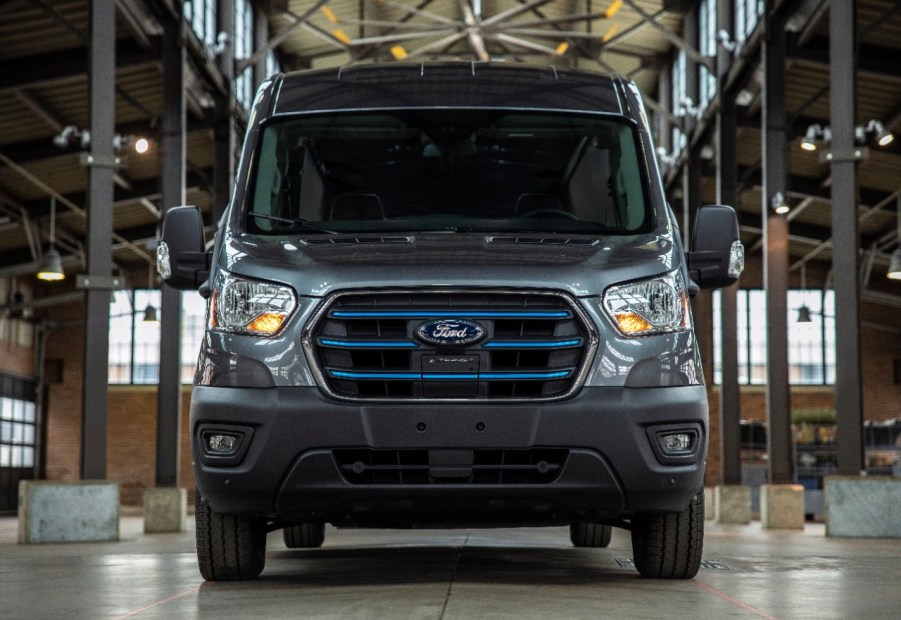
[{"x": 286, "y": 466}]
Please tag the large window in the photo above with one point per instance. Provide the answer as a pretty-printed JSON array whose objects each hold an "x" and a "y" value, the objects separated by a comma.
[
  {"x": 811, "y": 345},
  {"x": 243, "y": 50},
  {"x": 707, "y": 34},
  {"x": 747, "y": 14},
  {"x": 134, "y": 344},
  {"x": 202, "y": 16},
  {"x": 18, "y": 423}
]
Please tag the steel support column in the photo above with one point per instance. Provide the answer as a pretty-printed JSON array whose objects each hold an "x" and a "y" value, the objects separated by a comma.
[
  {"x": 691, "y": 179},
  {"x": 224, "y": 116},
  {"x": 726, "y": 193},
  {"x": 172, "y": 166},
  {"x": 775, "y": 255},
  {"x": 260, "y": 36},
  {"x": 101, "y": 169},
  {"x": 846, "y": 238}
]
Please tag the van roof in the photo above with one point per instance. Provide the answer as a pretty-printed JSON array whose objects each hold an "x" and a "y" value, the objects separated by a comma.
[{"x": 459, "y": 84}]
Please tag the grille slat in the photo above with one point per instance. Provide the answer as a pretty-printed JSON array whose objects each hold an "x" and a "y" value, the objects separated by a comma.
[
  {"x": 364, "y": 346},
  {"x": 489, "y": 467}
]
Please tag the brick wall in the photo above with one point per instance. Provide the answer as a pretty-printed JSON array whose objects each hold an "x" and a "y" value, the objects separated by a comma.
[{"x": 131, "y": 422}]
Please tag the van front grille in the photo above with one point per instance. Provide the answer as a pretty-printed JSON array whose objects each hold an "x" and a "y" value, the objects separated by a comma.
[{"x": 517, "y": 345}]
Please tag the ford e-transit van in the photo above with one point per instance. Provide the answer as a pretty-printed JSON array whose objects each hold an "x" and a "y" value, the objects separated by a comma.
[{"x": 449, "y": 295}]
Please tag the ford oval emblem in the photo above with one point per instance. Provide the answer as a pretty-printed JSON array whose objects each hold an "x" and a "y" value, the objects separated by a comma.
[{"x": 450, "y": 332}]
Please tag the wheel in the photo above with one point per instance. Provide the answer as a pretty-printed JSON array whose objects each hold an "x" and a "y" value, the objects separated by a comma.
[
  {"x": 588, "y": 534},
  {"x": 668, "y": 546},
  {"x": 229, "y": 547},
  {"x": 304, "y": 535}
]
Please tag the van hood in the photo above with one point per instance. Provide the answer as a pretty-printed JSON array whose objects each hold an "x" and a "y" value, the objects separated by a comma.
[{"x": 319, "y": 265}]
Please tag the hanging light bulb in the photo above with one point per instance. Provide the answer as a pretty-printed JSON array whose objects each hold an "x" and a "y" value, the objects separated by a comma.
[{"x": 51, "y": 267}]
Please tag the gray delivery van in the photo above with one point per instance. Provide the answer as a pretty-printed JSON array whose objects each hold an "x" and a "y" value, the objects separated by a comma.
[{"x": 449, "y": 295}]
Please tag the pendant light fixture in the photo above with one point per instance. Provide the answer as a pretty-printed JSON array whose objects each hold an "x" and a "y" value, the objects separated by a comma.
[
  {"x": 804, "y": 311},
  {"x": 150, "y": 314},
  {"x": 51, "y": 267}
]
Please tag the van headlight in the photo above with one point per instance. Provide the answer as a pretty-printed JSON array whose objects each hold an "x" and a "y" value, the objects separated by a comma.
[
  {"x": 654, "y": 306},
  {"x": 250, "y": 306}
]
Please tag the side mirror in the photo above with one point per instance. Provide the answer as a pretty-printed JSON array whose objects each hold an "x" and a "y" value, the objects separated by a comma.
[
  {"x": 717, "y": 256},
  {"x": 181, "y": 258}
]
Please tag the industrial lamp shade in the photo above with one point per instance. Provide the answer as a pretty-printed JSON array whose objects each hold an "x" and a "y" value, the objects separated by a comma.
[
  {"x": 804, "y": 314},
  {"x": 150, "y": 314},
  {"x": 894, "y": 268},
  {"x": 51, "y": 268}
]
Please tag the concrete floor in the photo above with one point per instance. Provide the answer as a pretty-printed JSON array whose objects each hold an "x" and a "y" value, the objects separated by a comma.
[{"x": 525, "y": 573}]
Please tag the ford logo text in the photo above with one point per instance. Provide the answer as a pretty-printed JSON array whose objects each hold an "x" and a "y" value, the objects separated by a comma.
[{"x": 453, "y": 332}]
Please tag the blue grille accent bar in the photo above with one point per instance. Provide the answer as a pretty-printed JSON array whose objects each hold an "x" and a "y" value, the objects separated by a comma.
[
  {"x": 450, "y": 314},
  {"x": 368, "y": 344},
  {"x": 432, "y": 376},
  {"x": 535, "y": 344}
]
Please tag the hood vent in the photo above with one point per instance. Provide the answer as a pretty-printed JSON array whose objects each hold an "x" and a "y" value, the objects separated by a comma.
[
  {"x": 544, "y": 241},
  {"x": 355, "y": 240}
]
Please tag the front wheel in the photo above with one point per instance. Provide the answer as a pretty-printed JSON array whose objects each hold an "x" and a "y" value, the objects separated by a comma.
[
  {"x": 669, "y": 546},
  {"x": 229, "y": 547}
]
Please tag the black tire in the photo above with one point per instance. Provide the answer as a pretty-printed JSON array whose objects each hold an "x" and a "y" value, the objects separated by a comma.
[
  {"x": 229, "y": 547},
  {"x": 304, "y": 535},
  {"x": 669, "y": 546},
  {"x": 588, "y": 534}
]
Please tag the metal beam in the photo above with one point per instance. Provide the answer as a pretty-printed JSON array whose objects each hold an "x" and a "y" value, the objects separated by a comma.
[
  {"x": 66, "y": 66},
  {"x": 727, "y": 194},
  {"x": 172, "y": 179},
  {"x": 873, "y": 60},
  {"x": 473, "y": 31},
  {"x": 775, "y": 257},
  {"x": 224, "y": 133},
  {"x": 843, "y": 68},
  {"x": 102, "y": 65},
  {"x": 672, "y": 37},
  {"x": 265, "y": 48}
]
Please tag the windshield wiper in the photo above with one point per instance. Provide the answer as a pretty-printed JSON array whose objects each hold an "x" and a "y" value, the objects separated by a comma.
[{"x": 305, "y": 224}]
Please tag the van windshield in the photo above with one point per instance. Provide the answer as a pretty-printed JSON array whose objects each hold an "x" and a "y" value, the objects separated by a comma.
[{"x": 448, "y": 170}]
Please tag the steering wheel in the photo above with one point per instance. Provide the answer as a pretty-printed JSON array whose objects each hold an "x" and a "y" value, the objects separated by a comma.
[{"x": 550, "y": 212}]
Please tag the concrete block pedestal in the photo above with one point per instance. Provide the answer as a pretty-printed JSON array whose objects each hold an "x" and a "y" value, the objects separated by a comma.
[
  {"x": 54, "y": 512},
  {"x": 165, "y": 510},
  {"x": 782, "y": 506},
  {"x": 863, "y": 506},
  {"x": 733, "y": 503}
]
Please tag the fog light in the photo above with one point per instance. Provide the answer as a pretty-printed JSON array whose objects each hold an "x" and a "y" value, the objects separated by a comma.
[
  {"x": 675, "y": 442},
  {"x": 221, "y": 444}
]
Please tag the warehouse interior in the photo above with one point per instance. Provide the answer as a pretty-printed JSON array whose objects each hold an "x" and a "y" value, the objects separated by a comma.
[{"x": 111, "y": 113}]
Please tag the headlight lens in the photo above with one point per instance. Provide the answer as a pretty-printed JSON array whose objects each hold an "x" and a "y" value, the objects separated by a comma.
[
  {"x": 250, "y": 306},
  {"x": 655, "y": 306}
]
